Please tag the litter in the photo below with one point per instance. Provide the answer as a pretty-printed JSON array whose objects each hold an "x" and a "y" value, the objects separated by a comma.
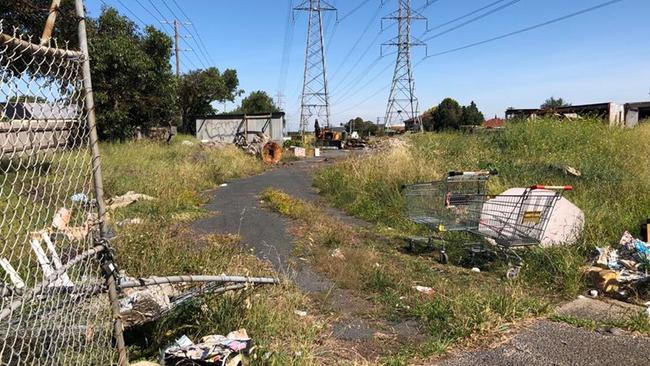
[
  {"x": 623, "y": 272},
  {"x": 425, "y": 290},
  {"x": 144, "y": 305},
  {"x": 187, "y": 143},
  {"x": 211, "y": 350},
  {"x": 476, "y": 269},
  {"x": 338, "y": 254},
  {"x": 80, "y": 198},
  {"x": 126, "y": 199},
  {"x": 127, "y": 222},
  {"x": 300, "y": 313},
  {"x": 223, "y": 185},
  {"x": 572, "y": 171},
  {"x": 61, "y": 219}
]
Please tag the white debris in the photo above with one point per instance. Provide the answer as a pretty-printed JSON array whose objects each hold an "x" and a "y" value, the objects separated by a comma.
[
  {"x": 338, "y": 254},
  {"x": 126, "y": 199},
  {"x": 300, "y": 313},
  {"x": 425, "y": 290}
]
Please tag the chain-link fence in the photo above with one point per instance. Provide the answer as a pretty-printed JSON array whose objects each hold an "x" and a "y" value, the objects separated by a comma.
[{"x": 54, "y": 308}]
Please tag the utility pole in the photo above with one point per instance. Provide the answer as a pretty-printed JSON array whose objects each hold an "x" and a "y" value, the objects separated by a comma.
[
  {"x": 177, "y": 44},
  {"x": 315, "y": 94},
  {"x": 177, "y": 41},
  {"x": 402, "y": 102}
]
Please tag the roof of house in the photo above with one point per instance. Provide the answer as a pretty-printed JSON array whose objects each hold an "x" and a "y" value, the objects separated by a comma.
[{"x": 494, "y": 123}]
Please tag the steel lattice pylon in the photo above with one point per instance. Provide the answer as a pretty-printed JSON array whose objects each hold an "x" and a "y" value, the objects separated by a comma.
[
  {"x": 315, "y": 93},
  {"x": 402, "y": 102}
]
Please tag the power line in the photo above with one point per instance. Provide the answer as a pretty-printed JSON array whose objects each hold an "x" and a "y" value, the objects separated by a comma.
[
  {"x": 355, "y": 86},
  {"x": 524, "y": 30},
  {"x": 148, "y": 11},
  {"x": 286, "y": 48},
  {"x": 196, "y": 32},
  {"x": 503, "y": 36},
  {"x": 354, "y": 46},
  {"x": 198, "y": 55},
  {"x": 157, "y": 10},
  {"x": 357, "y": 8},
  {"x": 477, "y": 18},
  {"x": 129, "y": 10},
  {"x": 465, "y": 15},
  {"x": 370, "y": 66}
]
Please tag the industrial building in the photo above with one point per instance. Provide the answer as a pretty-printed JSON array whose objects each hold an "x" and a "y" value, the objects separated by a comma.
[{"x": 621, "y": 115}]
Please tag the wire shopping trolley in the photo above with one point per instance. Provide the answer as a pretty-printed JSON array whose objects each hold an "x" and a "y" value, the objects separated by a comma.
[
  {"x": 518, "y": 218},
  {"x": 452, "y": 204}
]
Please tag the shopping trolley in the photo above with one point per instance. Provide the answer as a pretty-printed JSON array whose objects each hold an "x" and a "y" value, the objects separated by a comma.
[
  {"x": 452, "y": 204},
  {"x": 517, "y": 218}
]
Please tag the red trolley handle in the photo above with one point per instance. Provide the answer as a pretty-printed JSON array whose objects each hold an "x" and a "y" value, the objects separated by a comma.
[
  {"x": 553, "y": 188},
  {"x": 476, "y": 173}
]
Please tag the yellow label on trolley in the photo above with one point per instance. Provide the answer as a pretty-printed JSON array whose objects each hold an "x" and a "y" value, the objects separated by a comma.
[{"x": 532, "y": 217}]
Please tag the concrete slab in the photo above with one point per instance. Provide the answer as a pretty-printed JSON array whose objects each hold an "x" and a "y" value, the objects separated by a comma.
[{"x": 604, "y": 310}]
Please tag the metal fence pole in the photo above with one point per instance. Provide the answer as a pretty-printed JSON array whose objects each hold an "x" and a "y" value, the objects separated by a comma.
[{"x": 97, "y": 177}]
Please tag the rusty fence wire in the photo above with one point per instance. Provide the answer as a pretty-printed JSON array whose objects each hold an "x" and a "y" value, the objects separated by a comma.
[{"x": 54, "y": 307}]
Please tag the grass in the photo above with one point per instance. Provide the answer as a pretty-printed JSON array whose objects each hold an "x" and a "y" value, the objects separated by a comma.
[
  {"x": 466, "y": 307},
  {"x": 612, "y": 190},
  {"x": 177, "y": 175},
  {"x": 639, "y": 323}
]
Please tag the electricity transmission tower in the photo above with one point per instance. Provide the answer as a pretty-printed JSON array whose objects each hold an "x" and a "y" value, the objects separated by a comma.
[
  {"x": 402, "y": 102},
  {"x": 315, "y": 93}
]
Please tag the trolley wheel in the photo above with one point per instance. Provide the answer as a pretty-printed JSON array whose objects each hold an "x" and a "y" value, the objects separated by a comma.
[
  {"x": 444, "y": 258},
  {"x": 513, "y": 272}
]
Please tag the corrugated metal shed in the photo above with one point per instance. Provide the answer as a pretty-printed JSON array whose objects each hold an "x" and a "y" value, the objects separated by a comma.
[{"x": 225, "y": 128}]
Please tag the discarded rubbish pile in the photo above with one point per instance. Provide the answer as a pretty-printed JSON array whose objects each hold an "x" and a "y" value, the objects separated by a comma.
[
  {"x": 157, "y": 295},
  {"x": 260, "y": 145},
  {"x": 231, "y": 350},
  {"x": 625, "y": 272}
]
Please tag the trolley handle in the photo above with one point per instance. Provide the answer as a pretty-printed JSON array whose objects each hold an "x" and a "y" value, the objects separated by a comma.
[
  {"x": 552, "y": 188},
  {"x": 476, "y": 173}
]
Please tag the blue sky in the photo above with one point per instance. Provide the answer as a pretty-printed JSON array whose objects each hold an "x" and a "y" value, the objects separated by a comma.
[{"x": 596, "y": 57}]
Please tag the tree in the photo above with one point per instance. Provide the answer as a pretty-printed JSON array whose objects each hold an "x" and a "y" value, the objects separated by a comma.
[
  {"x": 553, "y": 103},
  {"x": 257, "y": 102},
  {"x": 471, "y": 116},
  {"x": 364, "y": 128},
  {"x": 28, "y": 17},
  {"x": 447, "y": 115},
  {"x": 134, "y": 85},
  {"x": 200, "y": 88}
]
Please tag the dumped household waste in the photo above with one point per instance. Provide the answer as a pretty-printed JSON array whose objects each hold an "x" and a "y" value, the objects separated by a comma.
[
  {"x": 148, "y": 299},
  {"x": 140, "y": 306},
  {"x": 261, "y": 145},
  {"x": 231, "y": 350},
  {"x": 623, "y": 272},
  {"x": 126, "y": 199},
  {"x": 565, "y": 223}
]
